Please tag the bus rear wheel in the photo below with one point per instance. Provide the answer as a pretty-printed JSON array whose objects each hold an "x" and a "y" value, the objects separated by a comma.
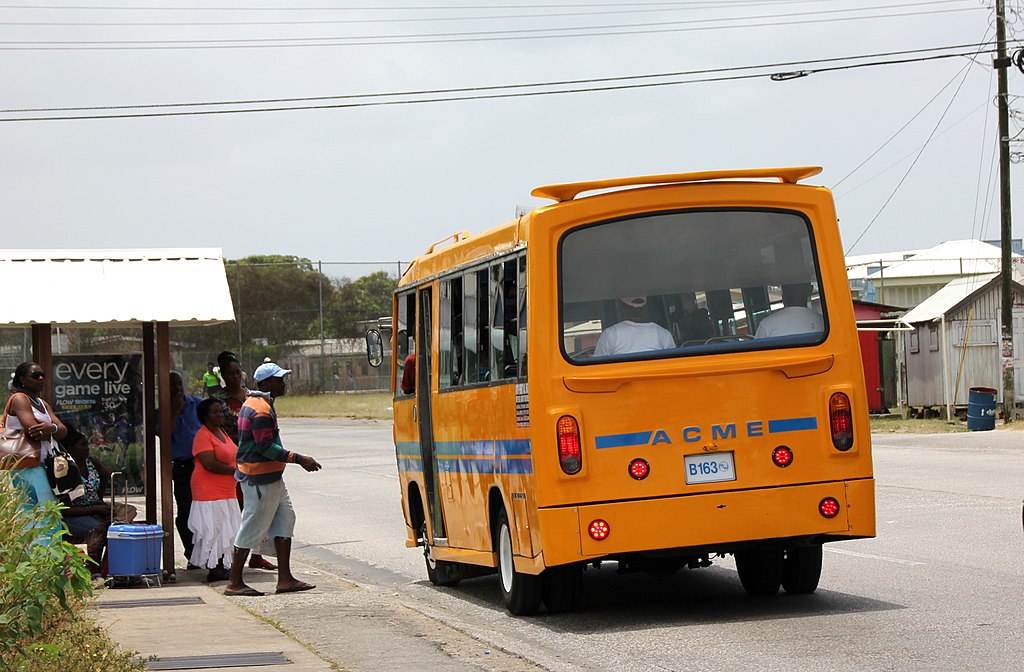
[
  {"x": 761, "y": 570},
  {"x": 802, "y": 570},
  {"x": 562, "y": 587},
  {"x": 440, "y": 572},
  {"x": 521, "y": 593}
]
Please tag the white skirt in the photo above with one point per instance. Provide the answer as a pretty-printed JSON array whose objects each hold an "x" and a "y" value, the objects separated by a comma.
[{"x": 214, "y": 525}]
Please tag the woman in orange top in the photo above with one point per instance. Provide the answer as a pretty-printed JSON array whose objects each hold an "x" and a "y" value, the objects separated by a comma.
[{"x": 214, "y": 517}]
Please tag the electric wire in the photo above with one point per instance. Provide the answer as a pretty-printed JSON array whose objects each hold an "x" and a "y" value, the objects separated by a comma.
[
  {"x": 499, "y": 87},
  {"x": 910, "y": 154},
  {"x": 984, "y": 41},
  {"x": 421, "y": 19},
  {"x": 378, "y": 8},
  {"x": 434, "y": 38},
  {"x": 981, "y": 160},
  {"x": 491, "y": 96},
  {"x": 966, "y": 71}
]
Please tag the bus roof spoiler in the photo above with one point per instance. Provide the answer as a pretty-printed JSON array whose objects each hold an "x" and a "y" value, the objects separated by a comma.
[{"x": 568, "y": 191}]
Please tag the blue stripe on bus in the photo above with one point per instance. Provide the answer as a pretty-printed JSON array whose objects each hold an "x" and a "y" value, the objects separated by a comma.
[
  {"x": 502, "y": 456},
  {"x": 623, "y": 440},
  {"x": 792, "y": 425}
]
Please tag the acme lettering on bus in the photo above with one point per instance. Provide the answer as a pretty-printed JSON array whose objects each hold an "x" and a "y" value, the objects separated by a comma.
[{"x": 714, "y": 432}]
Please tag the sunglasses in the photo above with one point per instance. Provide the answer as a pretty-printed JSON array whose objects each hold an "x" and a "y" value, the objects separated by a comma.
[{"x": 38, "y": 375}]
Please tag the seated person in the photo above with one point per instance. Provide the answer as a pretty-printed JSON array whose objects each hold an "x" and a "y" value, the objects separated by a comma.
[
  {"x": 88, "y": 517},
  {"x": 794, "y": 317},
  {"x": 636, "y": 333},
  {"x": 695, "y": 324}
]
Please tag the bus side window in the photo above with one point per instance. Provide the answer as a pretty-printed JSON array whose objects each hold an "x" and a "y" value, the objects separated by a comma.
[
  {"x": 471, "y": 341},
  {"x": 510, "y": 342},
  {"x": 484, "y": 332},
  {"x": 522, "y": 316},
  {"x": 497, "y": 335},
  {"x": 405, "y": 362},
  {"x": 450, "y": 338}
]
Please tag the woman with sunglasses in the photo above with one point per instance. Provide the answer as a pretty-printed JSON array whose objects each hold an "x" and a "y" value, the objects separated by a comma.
[{"x": 28, "y": 411}]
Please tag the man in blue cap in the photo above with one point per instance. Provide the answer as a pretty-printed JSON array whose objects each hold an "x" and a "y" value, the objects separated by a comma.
[{"x": 259, "y": 468}]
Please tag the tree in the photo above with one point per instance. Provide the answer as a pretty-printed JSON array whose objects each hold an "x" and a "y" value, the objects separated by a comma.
[
  {"x": 367, "y": 298},
  {"x": 276, "y": 300}
]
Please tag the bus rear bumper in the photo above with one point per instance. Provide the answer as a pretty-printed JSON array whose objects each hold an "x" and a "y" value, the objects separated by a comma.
[{"x": 708, "y": 520}]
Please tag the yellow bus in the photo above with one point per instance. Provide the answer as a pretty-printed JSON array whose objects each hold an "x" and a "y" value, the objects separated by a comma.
[{"x": 656, "y": 371}]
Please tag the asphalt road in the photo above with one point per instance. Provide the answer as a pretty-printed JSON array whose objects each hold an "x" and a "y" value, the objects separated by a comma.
[{"x": 939, "y": 589}]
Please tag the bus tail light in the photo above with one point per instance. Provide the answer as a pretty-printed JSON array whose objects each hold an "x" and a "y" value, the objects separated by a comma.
[
  {"x": 782, "y": 456},
  {"x": 570, "y": 454},
  {"x": 639, "y": 469},
  {"x": 840, "y": 421},
  {"x": 598, "y": 530},
  {"x": 829, "y": 507}
]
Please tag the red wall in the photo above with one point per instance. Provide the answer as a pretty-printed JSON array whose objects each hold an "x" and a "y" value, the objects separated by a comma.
[{"x": 870, "y": 355}]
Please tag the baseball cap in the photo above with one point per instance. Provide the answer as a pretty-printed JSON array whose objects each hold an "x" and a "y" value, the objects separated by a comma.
[
  {"x": 635, "y": 301},
  {"x": 269, "y": 370}
]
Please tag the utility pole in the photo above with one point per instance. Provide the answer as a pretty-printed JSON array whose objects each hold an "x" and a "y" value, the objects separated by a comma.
[{"x": 1002, "y": 62}]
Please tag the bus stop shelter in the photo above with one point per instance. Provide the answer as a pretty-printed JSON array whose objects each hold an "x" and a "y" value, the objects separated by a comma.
[{"x": 150, "y": 289}]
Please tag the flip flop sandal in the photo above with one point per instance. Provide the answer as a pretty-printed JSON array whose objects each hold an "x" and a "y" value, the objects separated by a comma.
[
  {"x": 297, "y": 587},
  {"x": 244, "y": 592}
]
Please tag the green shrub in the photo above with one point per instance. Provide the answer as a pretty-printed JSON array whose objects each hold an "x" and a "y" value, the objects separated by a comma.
[
  {"x": 37, "y": 576},
  {"x": 73, "y": 643}
]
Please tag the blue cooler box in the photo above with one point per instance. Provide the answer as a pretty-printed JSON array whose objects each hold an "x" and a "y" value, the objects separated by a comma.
[{"x": 134, "y": 549}]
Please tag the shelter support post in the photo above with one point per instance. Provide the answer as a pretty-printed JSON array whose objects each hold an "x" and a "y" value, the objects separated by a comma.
[
  {"x": 149, "y": 406},
  {"x": 163, "y": 369},
  {"x": 42, "y": 354}
]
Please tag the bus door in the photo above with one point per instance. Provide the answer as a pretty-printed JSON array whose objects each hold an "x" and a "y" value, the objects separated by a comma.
[{"x": 431, "y": 484}]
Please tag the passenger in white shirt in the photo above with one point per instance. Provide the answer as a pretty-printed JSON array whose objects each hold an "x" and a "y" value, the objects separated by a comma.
[
  {"x": 636, "y": 333},
  {"x": 795, "y": 317}
]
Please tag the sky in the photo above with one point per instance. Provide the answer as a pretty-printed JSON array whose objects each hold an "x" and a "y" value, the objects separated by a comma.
[{"x": 383, "y": 182}]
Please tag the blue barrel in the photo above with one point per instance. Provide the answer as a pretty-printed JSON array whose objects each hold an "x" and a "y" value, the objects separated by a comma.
[{"x": 981, "y": 409}]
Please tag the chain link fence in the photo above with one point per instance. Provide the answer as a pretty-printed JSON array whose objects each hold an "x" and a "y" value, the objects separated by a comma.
[{"x": 308, "y": 316}]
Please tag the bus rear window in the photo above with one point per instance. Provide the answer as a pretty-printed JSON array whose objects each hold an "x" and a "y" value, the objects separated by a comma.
[{"x": 689, "y": 282}]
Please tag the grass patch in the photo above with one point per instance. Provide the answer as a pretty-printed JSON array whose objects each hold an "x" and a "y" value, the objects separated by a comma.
[
  {"x": 915, "y": 426},
  {"x": 73, "y": 643},
  {"x": 371, "y": 406}
]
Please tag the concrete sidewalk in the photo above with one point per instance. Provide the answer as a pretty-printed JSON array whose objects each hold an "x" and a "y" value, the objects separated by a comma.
[{"x": 189, "y": 625}]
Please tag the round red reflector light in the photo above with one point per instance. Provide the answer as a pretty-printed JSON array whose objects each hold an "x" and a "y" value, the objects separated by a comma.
[
  {"x": 829, "y": 507},
  {"x": 599, "y": 530},
  {"x": 639, "y": 469},
  {"x": 782, "y": 456}
]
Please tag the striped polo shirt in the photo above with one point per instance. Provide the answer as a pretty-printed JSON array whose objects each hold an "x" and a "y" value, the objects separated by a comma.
[{"x": 261, "y": 457}]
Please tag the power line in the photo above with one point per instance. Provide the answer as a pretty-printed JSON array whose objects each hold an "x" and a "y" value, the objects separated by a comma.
[
  {"x": 896, "y": 189},
  {"x": 630, "y": 10},
  {"x": 909, "y": 121},
  {"x": 377, "y": 8},
  {"x": 498, "y": 87},
  {"x": 492, "y": 96},
  {"x": 439, "y": 38}
]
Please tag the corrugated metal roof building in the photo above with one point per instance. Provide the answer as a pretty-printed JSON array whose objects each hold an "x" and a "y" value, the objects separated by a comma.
[{"x": 956, "y": 342}]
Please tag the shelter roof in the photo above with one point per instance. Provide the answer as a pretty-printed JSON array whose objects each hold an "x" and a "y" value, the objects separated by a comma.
[
  {"x": 947, "y": 298},
  {"x": 953, "y": 257},
  {"x": 114, "y": 287}
]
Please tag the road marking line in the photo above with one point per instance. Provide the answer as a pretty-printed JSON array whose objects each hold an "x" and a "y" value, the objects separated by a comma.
[{"x": 868, "y": 556}]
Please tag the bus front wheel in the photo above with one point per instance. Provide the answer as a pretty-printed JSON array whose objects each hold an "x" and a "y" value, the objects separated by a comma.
[
  {"x": 802, "y": 570},
  {"x": 521, "y": 593},
  {"x": 440, "y": 572},
  {"x": 761, "y": 570}
]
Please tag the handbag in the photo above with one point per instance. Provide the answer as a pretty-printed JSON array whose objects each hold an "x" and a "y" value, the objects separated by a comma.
[
  {"x": 17, "y": 451},
  {"x": 63, "y": 474}
]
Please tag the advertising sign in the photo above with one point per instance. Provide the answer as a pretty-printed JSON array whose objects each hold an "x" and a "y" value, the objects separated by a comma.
[{"x": 101, "y": 396}]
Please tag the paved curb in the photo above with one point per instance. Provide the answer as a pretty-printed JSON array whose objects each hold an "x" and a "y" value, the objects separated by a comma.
[{"x": 190, "y": 618}]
